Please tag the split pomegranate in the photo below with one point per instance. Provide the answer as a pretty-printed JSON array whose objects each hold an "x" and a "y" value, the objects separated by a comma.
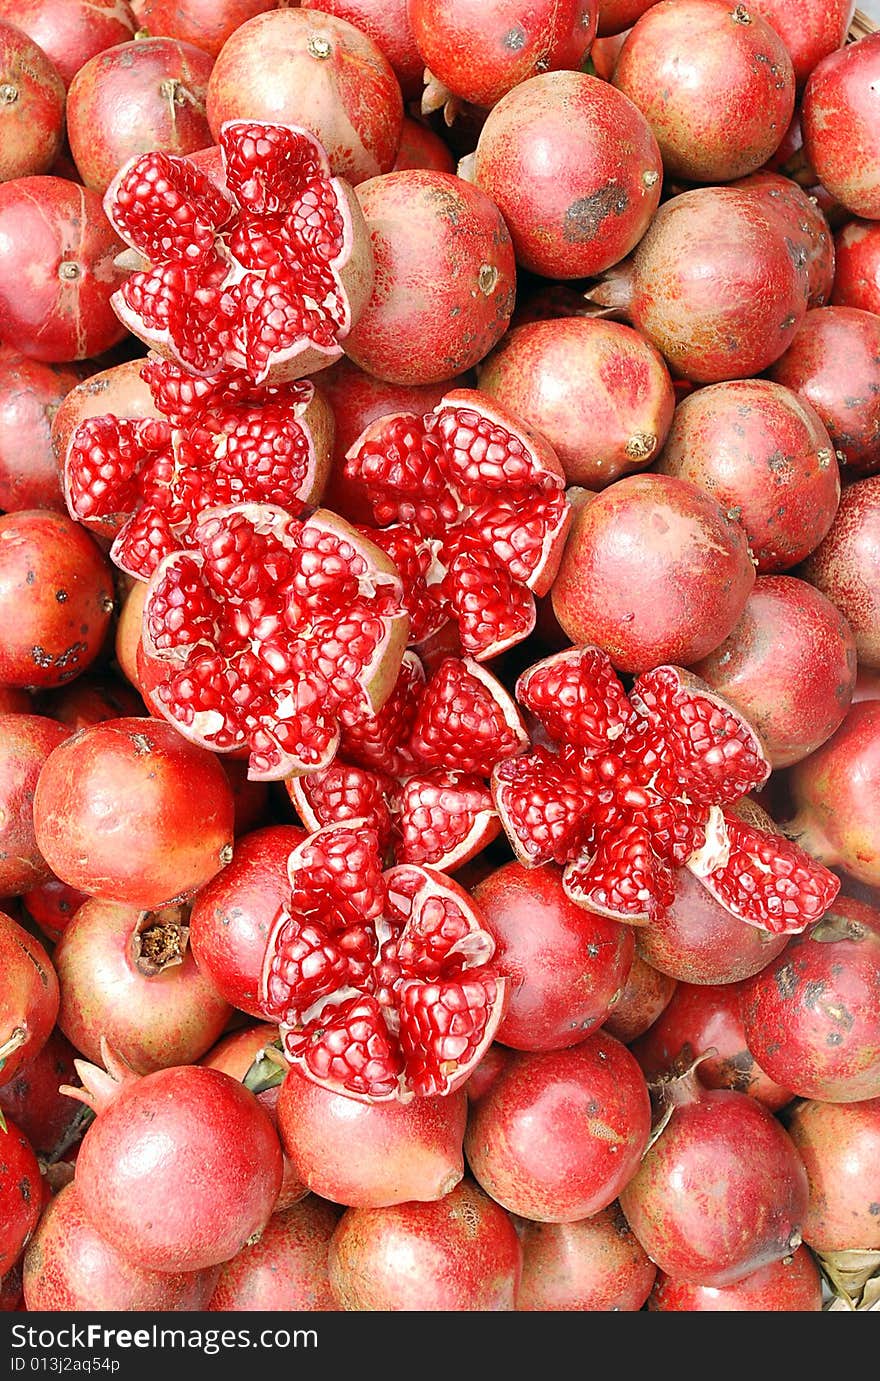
[
  {"x": 188, "y": 1127},
  {"x": 857, "y": 276},
  {"x": 382, "y": 983},
  {"x": 703, "y": 1212},
  {"x": 840, "y": 125},
  {"x": 26, "y": 740},
  {"x": 371, "y": 1155},
  {"x": 558, "y": 1134},
  {"x": 287, "y": 1269},
  {"x": 445, "y": 277},
  {"x": 792, "y": 1285},
  {"x": 30, "y": 395},
  {"x": 461, "y": 1253},
  {"x": 71, "y": 31},
  {"x": 28, "y": 997},
  {"x": 55, "y": 237},
  {"x": 597, "y": 391},
  {"x": 595, "y": 1264},
  {"x": 69, "y": 1266},
  {"x": 810, "y": 29},
  {"x": 846, "y": 566},
  {"x": 833, "y": 792},
  {"x": 120, "y": 390},
  {"x": 128, "y": 811},
  {"x": 307, "y": 68},
  {"x": 645, "y": 995},
  {"x": 206, "y": 23},
  {"x": 264, "y": 276},
  {"x": 812, "y": 1016},
  {"x": 33, "y": 1101},
  {"x": 31, "y": 105},
  {"x": 840, "y": 1147},
  {"x": 654, "y": 570},
  {"x": 764, "y": 455},
  {"x": 21, "y": 1193},
  {"x": 575, "y": 170},
  {"x": 388, "y": 25}
]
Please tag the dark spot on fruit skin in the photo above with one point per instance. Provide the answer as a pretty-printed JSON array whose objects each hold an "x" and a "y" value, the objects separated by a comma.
[
  {"x": 833, "y": 1038},
  {"x": 874, "y": 1210},
  {"x": 24, "y": 1188},
  {"x": 786, "y": 981},
  {"x": 585, "y": 216},
  {"x": 62, "y": 596},
  {"x": 31, "y": 577},
  {"x": 813, "y": 991}
]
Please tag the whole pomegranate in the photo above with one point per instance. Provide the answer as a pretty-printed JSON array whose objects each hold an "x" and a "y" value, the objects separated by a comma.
[
  {"x": 846, "y": 566},
  {"x": 804, "y": 223},
  {"x": 833, "y": 792},
  {"x": 30, "y": 396},
  {"x": 131, "y": 812},
  {"x": 857, "y": 275},
  {"x": 575, "y": 170},
  {"x": 287, "y": 1268},
  {"x": 461, "y": 1253},
  {"x": 31, "y": 106},
  {"x": 841, "y": 137},
  {"x": 792, "y": 1285},
  {"x": 645, "y": 994},
  {"x": 21, "y": 1194},
  {"x": 810, "y": 29},
  {"x": 557, "y": 1135},
  {"x": 595, "y": 1264},
  {"x": 71, "y": 31},
  {"x": 206, "y": 23},
  {"x": 28, "y": 997},
  {"x": 388, "y": 25},
  {"x": 26, "y": 740},
  {"x": 840, "y": 1147},
  {"x": 653, "y": 571}
]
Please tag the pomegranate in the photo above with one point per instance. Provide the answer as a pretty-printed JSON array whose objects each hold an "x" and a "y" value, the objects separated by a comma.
[
  {"x": 287, "y": 1269},
  {"x": 420, "y": 147},
  {"x": 494, "y": 1060},
  {"x": 702, "y": 1211},
  {"x": 833, "y": 793},
  {"x": 810, "y": 29},
  {"x": 445, "y": 277},
  {"x": 90, "y": 700},
  {"x": 594, "y": 1265},
  {"x": 789, "y": 666},
  {"x": 30, "y": 395},
  {"x": 654, "y": 570},
  {"x": 804, "y": 222},
  {"x": 20, "y": 1193},
  {"x": 31, "y": 106},
  {"x": 840, "y": 125},
  {"x": 617, "y": 15},
  {"x": 857, "y": 276},
  {"x": 381, "y": 982},
  {"x": 698, "y": 1021},
  {"x": 461, "y": 1253},
  {"x": 715, "y": 83},
  {"x": 792, "y": 1285},
  {"x": 478, "y": 50},
  {"x": 668, "y": 290},
  {"x": 646, "y": 993},
  {"x": 575, "y": 170},
  {"x": 404, "y": 1152},
  {"x": 26, "y": 740},
  {"x": 120, "y": 390},
  {"x": 834, "y": 364},
  {"x": 206, "y": 23},
  {"x": 128, "y": 811},
  {"x": 28, "y": 998},
  {"x": 764, "y": 455},
  {"x": 597, "y": 391},
  {"x": 69, "y": 1266},
  {"x": 812, "y": 1016},
  {"x": 32, "y": 1098},
  {"x": 52, "y": 906},
  {"x": 388, "y": 25},
  {"x": 263, "y": 275},
  {"x": 845, "y": 566},
  {"x": 55, "y": 237},
  {"x": 128, "y": 635},
  {"x": 605, "y": 52},
  {"x": 566, "y": 966},
  {"x": 10, "y": 1290},
  {"x": 558, "y": 1134},
  {"x": 307, "y": 68},
  {"x": 71, "y": 31},
  {"x": 840, "y": 1147}
]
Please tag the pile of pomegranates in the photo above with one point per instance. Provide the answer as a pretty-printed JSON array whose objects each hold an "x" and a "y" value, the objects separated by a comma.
[{"x": 439, "y": 656}]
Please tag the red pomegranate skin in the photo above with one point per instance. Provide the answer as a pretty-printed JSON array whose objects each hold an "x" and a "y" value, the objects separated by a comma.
[
  {"x": 700, "y": 1018},
  {"x": 250, "y": 798},
  {"x": 192, "y": 1131},
  {"x": 496, "y": 1058},
  {"x": 598, "y": 392},
  {"x": 234, "y": 913},
  {"x": 71, "y": 31},
  {"x": 845, "y": 567},
  {"x": 52, "y": 905},
  {"x": 70, "y": 1267},
  {"x": 575, "y": 171},
  {"x": 834, "y": 794},
  {"x": 388, "y": 25},
  {"x": 26, "y": 740},
  {"x": 715, "y": 83},
  {"x": 306, "y": 68},
  {"x": 136, "y": 97},
  {"x": 445, "y": 278},
  {"x": 594, "y": 1265},
  {"x": 403, "y": 1151},
  {"x": 789, "y": 666},
  {"x": 653, "y": 571},
  {"x": 420, "y": 147},
  {"x": 804, "y": 222},
  {"x": 705, "y": 1212},
  {"x": 834, "y": 364},
  {"x": 89, "y": 700},
  {"x": 30, "y": 395},
  {"x": 10, "y": 1290},
  {"x": 55, "y": 237},
  {"x": 459, "y": 1254},
  {"x": 841, "y": 129},
  {"x": 567, "y": 966},
  {"x": 790, "y": 1286},
  {"x": 28, "y": 997},
  {"x": 617, "y": 15},
  {"x": 31, "y": 1098},
  {"x": 840, "y": 1147},
  {"x": 206, "y": 23},
  {"x": 763, "y": 454},
  {"x": 481, "y": 49},
  {"x": 21, "y": 1196},
  {"x": 857, "y": 275},
  {"x": 810, "y": 29},
  {"x": 812, "y": 1017},
  {"x": 558, "y": 1134},
  {"x": 645, "y": 994},
  {"x": 696, "y": 941},
  {"x": 287, "y": 1268},
  {"x": 670, "y": 288},
  {"x": 130, "y": 811},
  {"x": 32, "y": 110}
]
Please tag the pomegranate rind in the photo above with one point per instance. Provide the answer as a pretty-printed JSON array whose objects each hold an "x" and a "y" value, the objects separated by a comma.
[{"x": 770, "y": 882}]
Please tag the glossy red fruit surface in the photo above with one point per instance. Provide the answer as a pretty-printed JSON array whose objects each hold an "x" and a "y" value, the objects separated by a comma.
[
  {"x": 21, "y": 1195},
  {"x": 28, "y": 997},
  {"x": 857, "y": 275},
  {"x": 206, "y": 23},
  {"x": 810, "y": 29},
  {"x": 388, "y": 25},
  {"x": 420, "y": 147},
  {"x": 71, "y": 31},
  {"x": 26, "y": 741},
  {"x": 841, "y": 135},
  {"x": 287, "y": 1268},
  {"x": 32, "y": 1098},
  {"x": 846, "y": 566},
  {"x": 840, "y": 1147},
  {"x": 617, "y": 15},
  {"x": 595, "y": 1264},
  {"x": 30, "y": 395},
  {"x": 645, "y": 994},
  {"x": 792, "y": 1285},
  {"x": 832, "y": 793},
  {"x": 31, "y": 105}
]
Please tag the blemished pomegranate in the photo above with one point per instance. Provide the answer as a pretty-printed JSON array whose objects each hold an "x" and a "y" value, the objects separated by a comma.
[
  {"x": 840, "y": 125},
  {"x": 857, "y": 275},
  {"x": 646, "y": 993},
  {"x": 71, "y": 31},
  {"x": 792, "y": 1285},
  {"x": 206, "y": 23},
  {"x": 595, "y": 1264},
  {"x": 805, "y": 224},
  {"x": 287, "y": 1268},
  {"x": 31, "y": 105},
  {"x": 575, "y": 170},
  {"x": 840, "y": 1147},
  {"x": 26, "y": 740},
  {"x": 28, "y": 997},
  {"x": 32, "y": 1098},
  {"x": 388, "y": 25},
  {"x": 846, "y": 566},
  {"x": 21, "y": 1194},
  {"x": 810, "y": 29},
  {"x": 461, "y": 1252},
  {"x": 52, "y": 905}
]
